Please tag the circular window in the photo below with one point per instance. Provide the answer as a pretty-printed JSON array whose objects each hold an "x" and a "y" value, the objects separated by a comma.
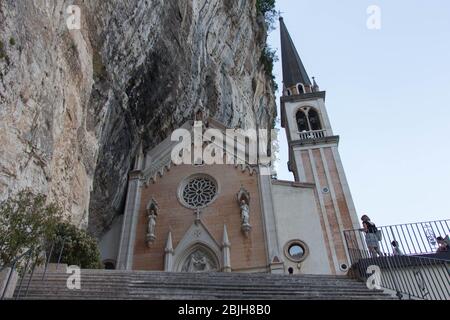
[
  {"x": 344, "y": 267},
  {"x": 296, "y": 251},
  {"x": 198, "y": 191}
]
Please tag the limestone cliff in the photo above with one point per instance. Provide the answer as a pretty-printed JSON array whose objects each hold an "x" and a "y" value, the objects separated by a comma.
[{"x": 75, "y": 105}]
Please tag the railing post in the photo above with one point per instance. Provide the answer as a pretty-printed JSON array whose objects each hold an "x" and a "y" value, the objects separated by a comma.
[
  {"x": 409, "y": 271},
  {"x": 8, "y": 281},
  {"x": 24, "y": 273},
  {"x": 61, "y": 252},
  {"x": 48, "y": 260}
]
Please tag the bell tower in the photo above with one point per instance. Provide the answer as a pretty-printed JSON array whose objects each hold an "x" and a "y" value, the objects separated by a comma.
[{"x": 313, "y": 151}]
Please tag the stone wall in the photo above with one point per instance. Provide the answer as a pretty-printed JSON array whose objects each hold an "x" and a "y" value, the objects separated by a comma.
[
  {"x": 246, "y": 252},
  {"x": 75, "y": 105}
]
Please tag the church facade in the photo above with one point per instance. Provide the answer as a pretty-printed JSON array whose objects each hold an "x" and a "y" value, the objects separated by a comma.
[{"x": 235, "y": 217}]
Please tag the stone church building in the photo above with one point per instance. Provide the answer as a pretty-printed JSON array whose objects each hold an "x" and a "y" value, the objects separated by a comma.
[{"x": 233, "y": 218}]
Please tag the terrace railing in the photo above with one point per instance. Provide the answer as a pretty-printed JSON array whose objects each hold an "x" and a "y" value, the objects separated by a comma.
[
  {"x": 411, "y": 262},
  {"x": 26, "y": 264}
]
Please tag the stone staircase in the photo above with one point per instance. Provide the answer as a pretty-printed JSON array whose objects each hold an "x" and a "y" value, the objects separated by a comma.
[{"x": 139, "y": 285}]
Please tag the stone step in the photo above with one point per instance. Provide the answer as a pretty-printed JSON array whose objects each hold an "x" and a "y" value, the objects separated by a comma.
[
  {"x": 142, "y": 285},
  {"x": 196, "y": 298},
  {"x": 263, "y": 290},
  {"x": 106, "y": 285},
  {"x": 318, "y": 288},
  {"x": 198, "y": 275},
  {"x": 268, "y": 291},
  {"x": 193, "y": 281},
  {"x": 63, "y": 277},
  {"x": 199, "y": 294}
]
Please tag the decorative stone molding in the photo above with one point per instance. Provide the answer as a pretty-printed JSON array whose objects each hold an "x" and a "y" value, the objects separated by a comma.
[
  {"x": 159, "y": 159},
  {"x": 276, "y": 266},
  {"x": 196, "y": 250},
  {"x": 200, "y": 260}
]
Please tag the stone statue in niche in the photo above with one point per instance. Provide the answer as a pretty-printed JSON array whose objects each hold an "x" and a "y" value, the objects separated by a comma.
[
  {"x": 245, "y": 213},
  {"x": 152, "y": 213},
  {"x": 199, "y": 261},
  {"x": 243, "y": 198}
]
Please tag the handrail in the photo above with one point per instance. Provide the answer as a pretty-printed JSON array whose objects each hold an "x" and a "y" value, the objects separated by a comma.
[
  {"x": 313, "y": 134},
  {"x": 412, "y": 238},
  {"x": 408, "y": 256},
  {"x": 14, "y": 262},
  {"x": 29, "y": 254}
]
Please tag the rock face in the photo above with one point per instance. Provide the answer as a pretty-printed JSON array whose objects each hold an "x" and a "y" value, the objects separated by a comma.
[{"x": 76, "y": 104}]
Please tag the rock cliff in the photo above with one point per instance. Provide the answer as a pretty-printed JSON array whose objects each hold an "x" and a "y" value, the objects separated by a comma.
[{"x": 76, "y": 104}]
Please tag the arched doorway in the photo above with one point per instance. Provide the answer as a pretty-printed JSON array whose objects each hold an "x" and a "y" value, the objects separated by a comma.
[{"x": 199, "y": 258}]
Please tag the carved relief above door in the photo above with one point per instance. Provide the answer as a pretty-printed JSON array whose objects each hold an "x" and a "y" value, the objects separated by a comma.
[
  {"x": 200, "y": 259},
  {"x": 197, "y": 251}
]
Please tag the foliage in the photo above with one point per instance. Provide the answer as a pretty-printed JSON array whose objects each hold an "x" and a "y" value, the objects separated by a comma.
[
  {"x": 268, "y": 56},
  {"x": 268, "y": 59},
  {"x": 26, "y": 221},
  {"x": 12, "y": 41},
  {"x": 267, "y": 9},
  {"x": 79, "y": 248}
]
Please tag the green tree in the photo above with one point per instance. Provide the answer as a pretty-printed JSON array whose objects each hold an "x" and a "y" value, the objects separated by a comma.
[
  {"x": 79, "y": 248},
  {"x": 26, "y": 221},
  {"x": 268, "y": 59}
]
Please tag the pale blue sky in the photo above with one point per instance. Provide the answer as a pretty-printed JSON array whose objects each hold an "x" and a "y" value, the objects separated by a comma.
[{"x": 388, "y": 97}]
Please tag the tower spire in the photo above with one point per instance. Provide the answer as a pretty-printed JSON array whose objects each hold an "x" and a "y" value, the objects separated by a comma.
[{"x": 294, "y": 71}]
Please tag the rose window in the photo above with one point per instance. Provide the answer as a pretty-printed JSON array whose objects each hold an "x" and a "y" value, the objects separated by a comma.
[{"x": 199, "y": 192}]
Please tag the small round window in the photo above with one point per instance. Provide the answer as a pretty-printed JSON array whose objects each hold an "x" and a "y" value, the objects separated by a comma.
[
  {"x": 296, "y": 251},
  {"x": 198, "y": 191}
]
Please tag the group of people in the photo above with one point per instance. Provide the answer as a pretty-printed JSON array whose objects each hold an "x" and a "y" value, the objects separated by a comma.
[{"x": 374, "y": 236}]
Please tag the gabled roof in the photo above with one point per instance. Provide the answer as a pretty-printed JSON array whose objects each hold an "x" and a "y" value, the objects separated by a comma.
[{"x": 161, "y": 156}]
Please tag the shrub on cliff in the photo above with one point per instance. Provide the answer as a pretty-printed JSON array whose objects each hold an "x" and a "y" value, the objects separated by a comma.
[
  {"x": 267, "y": 9},
  {"x": 268, "y": 59}
]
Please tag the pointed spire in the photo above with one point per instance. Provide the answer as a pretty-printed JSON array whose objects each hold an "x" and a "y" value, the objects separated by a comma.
[
  {"x": 315, "y": 85},
  {"x": 226, "y": 241},
  {"x": 294, "y": 71},
  {"x": 169, "y": 243}
]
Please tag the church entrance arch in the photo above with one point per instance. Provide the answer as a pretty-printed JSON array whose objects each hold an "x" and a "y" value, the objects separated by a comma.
[{"x": 198, "y": 258}]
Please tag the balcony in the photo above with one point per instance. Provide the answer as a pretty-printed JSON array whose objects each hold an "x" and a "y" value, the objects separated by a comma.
[
  {"x": 412, "y": 259},
  {"x": 311, "y": 135}
]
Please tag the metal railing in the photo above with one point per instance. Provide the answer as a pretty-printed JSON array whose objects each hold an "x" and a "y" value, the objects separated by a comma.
[
  {"x": 409, "y": 257},
  {"x": 307, "y": 135},
  {"x": 26, "y": 264}
]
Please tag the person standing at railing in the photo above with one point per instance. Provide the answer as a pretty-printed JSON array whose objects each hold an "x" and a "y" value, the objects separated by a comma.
[
  {"x": 396, "y": 248},
  {"x": 443, "y": 245},
  {"x": 372, "y": 240}
]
